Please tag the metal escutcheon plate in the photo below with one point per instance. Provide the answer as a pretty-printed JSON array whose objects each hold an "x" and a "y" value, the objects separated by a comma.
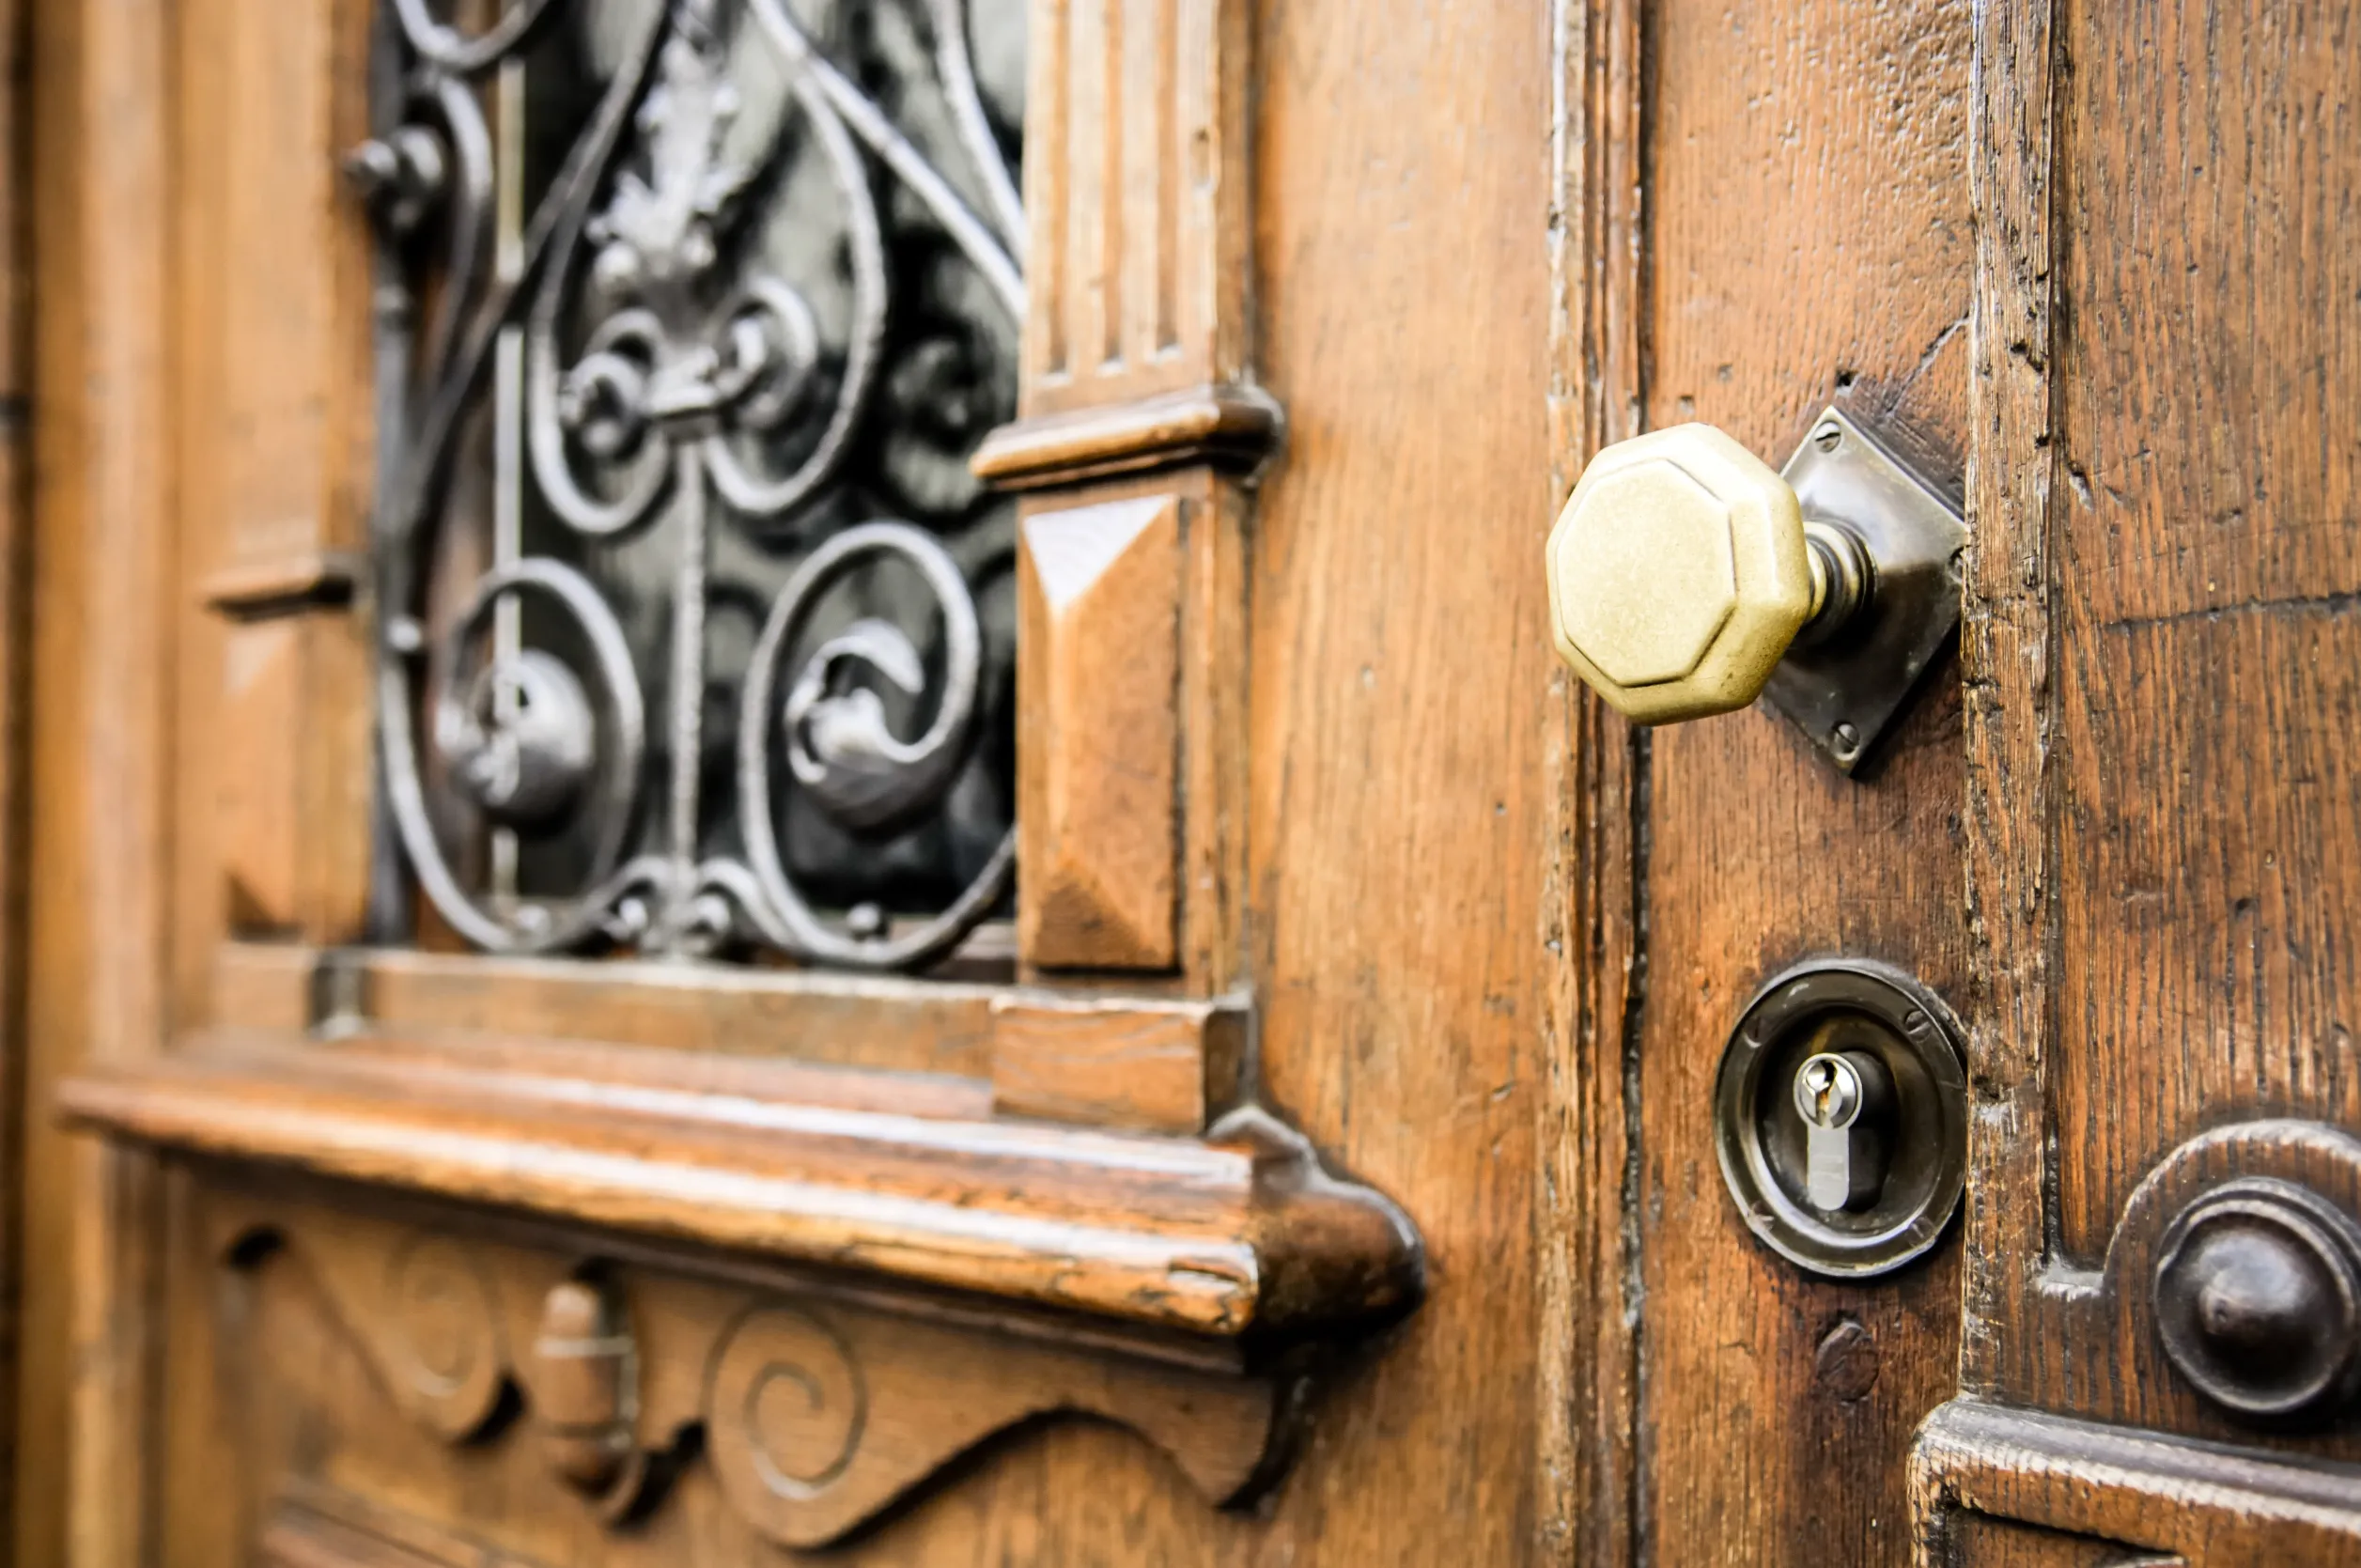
[
  {"x": 1847, "y": 693},
  {"x": 1852, "y": 1005}
]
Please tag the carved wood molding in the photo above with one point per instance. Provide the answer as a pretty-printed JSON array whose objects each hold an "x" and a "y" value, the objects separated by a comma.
[
  {"x": 1136, "y": 199},
  {"x": 817, "y": 1411},
  {"x": 1173, "y": 1064},
  {"x": 1237, "y": 1237},
  {"x": 1139, "y": 420},
  {"x": 2195, "y": 1502}
]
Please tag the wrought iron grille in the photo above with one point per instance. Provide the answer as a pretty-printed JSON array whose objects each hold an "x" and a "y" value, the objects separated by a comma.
[{"x": 696, "y": 632}]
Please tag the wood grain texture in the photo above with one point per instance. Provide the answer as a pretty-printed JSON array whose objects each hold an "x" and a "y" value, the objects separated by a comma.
[
  {"x": 105, "y": 599},
  {"x": 2160, "y": 648},
  {"x": 16, "y": 390},
  {"x": 1237, "y": 1237},
  {"x": 1098, "y": 588},
  {"x": 816, "y": 1412},
  {"x": 2163, "y": 1499},
  {"x": 1401, "y": 706},
  {"x": 2206, "y": 576},
  {"x": 1805, "y": 241},
  {"x": 1193, "y": 863},
  {"x": 318, "y": 1528},
  {"x": 272, "y": 386},
  {"x": 1169, "y": 1068},
  {"x": 1980, "y": 1541},
  {"x": 933, "y": 1027}
]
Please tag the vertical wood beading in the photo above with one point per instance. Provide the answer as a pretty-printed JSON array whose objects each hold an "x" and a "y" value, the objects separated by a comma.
[
  {"x": 275, "y": 347},
  {"x": 104, "y": 597},
  {"x": 1135, "y": 191},
  {"x": 1587, "y": 1453},
  {"x": 2005, "y": 657}
]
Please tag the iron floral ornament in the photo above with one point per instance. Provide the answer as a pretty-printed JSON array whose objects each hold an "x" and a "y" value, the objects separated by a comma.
[{"x": 672, "y": 385}]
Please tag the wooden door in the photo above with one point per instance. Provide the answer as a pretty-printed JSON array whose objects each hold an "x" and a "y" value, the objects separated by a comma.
[{"x": 797, "y": 791}]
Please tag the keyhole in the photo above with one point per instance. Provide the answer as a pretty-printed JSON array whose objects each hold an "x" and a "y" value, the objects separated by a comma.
[{"x": 1828, "y": 1092}]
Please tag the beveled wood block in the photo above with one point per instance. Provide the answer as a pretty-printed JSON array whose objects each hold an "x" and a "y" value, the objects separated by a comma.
[
  {"x": 1098, "y": 735},
  {"x": 1157, "y": 1068}
]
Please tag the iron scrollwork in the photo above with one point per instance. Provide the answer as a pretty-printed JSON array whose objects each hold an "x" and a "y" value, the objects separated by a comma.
[{"x": 737, "y": 333}]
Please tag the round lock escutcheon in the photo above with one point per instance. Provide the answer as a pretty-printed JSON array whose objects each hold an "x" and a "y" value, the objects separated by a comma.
[{"x": 1840, "y": 1117}]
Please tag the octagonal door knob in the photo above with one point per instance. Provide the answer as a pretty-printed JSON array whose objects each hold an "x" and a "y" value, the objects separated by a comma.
[{"x": 1682, "y": 570}]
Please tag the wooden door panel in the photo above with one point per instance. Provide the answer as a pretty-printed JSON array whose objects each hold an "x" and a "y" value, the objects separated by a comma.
[
  {"x": 538, "y": 1118},
  {"x": 2206, "y": 483},
  {"x": 1804, "y": 240}
]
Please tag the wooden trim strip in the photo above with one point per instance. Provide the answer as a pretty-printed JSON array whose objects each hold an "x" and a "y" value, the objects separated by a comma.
[
  {"x": 1234, "y": 427},
  {"x": 1238, "y": 1236},
  {"x": 2217, "y": 1503}
]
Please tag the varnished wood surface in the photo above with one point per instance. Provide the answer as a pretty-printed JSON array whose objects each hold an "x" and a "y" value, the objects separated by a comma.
[
  {"x": 1493, "y": 942},
  {"x": 1233, "y": 426},
  {"x": 1237, "y": 1237},
  {"x": 1168, "y": 1069},
  {"x": 718, "y": 1379},
  {"x": 16, "y": 388},
  {"x": 939, "y": 1027},
  {"x": 1098, "y": 594},
  {"x": 1137, "y": 200}
]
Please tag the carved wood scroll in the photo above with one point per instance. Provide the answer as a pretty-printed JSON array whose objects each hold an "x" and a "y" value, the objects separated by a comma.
[{"x": 818, "y": 1405}]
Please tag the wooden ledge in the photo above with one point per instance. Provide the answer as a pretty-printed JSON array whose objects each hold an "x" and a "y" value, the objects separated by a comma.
[
  {"x": 1237, "y": 1236},
  {"x": 2211, "y": 1502},
  {"x": 1230, "y": 427}
]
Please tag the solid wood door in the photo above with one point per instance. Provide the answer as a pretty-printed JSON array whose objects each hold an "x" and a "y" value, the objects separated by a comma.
[{"x": 1147, "y": 1020}]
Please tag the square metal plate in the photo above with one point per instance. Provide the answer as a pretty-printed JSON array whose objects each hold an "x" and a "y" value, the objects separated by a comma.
[{"x": 1846, "y": 693}]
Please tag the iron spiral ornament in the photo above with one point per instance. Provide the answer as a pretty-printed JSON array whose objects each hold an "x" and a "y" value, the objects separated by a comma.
[{"x": 688, "y": 641}]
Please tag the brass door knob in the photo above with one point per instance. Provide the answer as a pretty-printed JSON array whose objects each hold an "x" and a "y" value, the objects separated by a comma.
[
  {"x": 1679, "y": 574},
  {"x": 1686, "y": 576}
]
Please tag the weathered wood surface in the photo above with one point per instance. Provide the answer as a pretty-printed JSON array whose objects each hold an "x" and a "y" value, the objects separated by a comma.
[
  {"x": 2162, "y": 665},
  {"x": 1791, "y": 228},
  {"x": 811, "y": 1407},
  {"x": 2158, "y": 1501}
]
